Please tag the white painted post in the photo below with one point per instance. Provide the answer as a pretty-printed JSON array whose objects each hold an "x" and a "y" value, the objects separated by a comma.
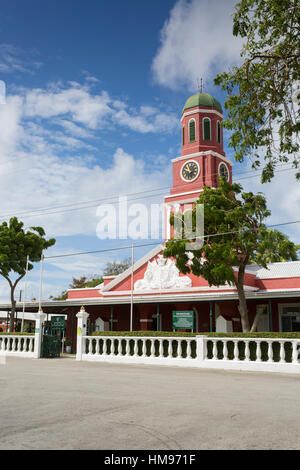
[
  {"x": 82, "y": 316},
  {"x": 39, "y": 319},
  {"x": 200, "y": 347}
]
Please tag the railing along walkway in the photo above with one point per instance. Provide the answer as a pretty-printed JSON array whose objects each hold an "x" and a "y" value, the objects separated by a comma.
[
  {"x": 17, "y": 345},
  {"x": 256, "y": 354}
]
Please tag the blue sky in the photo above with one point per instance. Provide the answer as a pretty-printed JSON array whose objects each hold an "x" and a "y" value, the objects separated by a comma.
[{"x": 95, "y": 91}]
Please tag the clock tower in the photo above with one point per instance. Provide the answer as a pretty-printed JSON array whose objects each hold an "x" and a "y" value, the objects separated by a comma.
[{"x": 202, "y": 158}]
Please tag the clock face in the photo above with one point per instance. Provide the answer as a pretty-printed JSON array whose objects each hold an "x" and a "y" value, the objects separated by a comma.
[{"x": 190, "y": 171}]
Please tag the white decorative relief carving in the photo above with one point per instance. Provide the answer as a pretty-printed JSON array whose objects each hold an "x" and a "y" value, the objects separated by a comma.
[{"x": 162, "y": 273}]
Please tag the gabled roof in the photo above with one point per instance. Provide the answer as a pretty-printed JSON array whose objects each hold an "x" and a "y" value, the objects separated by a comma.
[{"x": 136, "y": 265}]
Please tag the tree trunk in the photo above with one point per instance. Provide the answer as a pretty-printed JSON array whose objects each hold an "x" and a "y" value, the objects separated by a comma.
[
  {"x": 13, "y": 302},
  {"x": 256, "y": 320},
  {"x": 242, "y": 300},
  {"x": 13, "y": 310}
]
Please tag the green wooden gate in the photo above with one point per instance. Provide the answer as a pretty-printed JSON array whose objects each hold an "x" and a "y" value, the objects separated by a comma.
[
  {"x": 51, "y": 340},
  {"x": 51, "y": 346}
]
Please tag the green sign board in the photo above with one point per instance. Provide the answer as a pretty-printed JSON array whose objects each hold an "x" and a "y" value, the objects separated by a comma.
[
  {"x": 57, "y": 323},
  {"x": 183, "y": 320}
]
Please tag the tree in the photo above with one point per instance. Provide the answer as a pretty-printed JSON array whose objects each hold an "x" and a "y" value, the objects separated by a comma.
[
  {"x": 234, "y": 235},
  {"x": 111, "y": 268},
  {"x": 264, "y": 93},
  {"x": 15, "y": 245},
  {"x": 115, "y": 268}
]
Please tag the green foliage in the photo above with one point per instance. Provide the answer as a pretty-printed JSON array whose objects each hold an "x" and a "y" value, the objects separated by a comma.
[
  {"x": 271, "y": 334},
  {"x": 235, "y": 235},
  {"x": 114, "y": 267},
  {"x": 262, "y": 102},
  {"x": 15, "y": 245},
  {"x": 16, "y": 333},
  {"x": 111, "y": 268}
]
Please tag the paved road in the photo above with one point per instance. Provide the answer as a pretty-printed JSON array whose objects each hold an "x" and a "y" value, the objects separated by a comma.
[{"x": 64, "y": 404}]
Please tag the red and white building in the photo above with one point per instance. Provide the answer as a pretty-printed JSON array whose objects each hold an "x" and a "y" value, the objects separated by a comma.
[
  {"x": 144, "y": 297},
  {"x": 156, "y": 287}
]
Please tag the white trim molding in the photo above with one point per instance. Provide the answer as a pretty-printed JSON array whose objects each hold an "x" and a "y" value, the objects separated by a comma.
[
  {"x": 201, "y": 110},
  {"x": 198, "y": 154},
  {"x": 189, "y": 137}
]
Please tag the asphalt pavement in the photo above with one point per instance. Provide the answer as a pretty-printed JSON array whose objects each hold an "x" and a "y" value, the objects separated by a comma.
[{"x": 66, "y": 404}]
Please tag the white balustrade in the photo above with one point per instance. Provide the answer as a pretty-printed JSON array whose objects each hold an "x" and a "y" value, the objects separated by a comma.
[
  {"x": 260, "y": 354},
  {"x": 17, "y": 345}
]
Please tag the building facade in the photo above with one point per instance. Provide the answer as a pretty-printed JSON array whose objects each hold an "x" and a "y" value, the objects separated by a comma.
[{"x": 145, "y": 295}]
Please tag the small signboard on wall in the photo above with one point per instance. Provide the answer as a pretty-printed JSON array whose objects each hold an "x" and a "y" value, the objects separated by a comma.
[
  {"x": 58, "y": 323},
  {"x": 183, "y": 320}
]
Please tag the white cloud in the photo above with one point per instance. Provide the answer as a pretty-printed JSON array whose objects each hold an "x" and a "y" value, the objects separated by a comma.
[
  {"x": 13, "y": 59},
  {"x": 41, "y": 167},
  {"x": 196, "y": 41}
]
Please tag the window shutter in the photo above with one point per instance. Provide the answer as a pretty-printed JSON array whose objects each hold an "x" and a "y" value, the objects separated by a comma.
[
  {"x": 219, "y": 132},
  {"x": 206, "y": 129},
  {"x": 183, "y": 135},
  {"x": 192, "y": 131}
]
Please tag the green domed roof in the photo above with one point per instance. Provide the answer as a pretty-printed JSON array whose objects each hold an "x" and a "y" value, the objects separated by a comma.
[{"x": 202, "y": 99}]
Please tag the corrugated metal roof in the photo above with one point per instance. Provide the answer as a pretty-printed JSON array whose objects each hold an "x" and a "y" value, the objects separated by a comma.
[{"x": 276, "y": 270}]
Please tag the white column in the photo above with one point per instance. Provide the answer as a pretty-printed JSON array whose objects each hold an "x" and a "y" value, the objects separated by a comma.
[
  {"x": 200, "y": 348},
  {"x": 39, "y": 320},
  {"x": 82, "y": 316}
]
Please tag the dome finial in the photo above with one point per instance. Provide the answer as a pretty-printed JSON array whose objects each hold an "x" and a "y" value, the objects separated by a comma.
[{"x": 200, "y": 84}]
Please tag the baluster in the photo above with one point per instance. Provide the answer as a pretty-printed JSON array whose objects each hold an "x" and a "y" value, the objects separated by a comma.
[
  {"x": 188, "y": 349},
  {"x": 136, "y": 348},
  {"x": 90, "y": 346},
  {"x": 270, "y": 351},
  {"x": 295, "y": 352},
  {"x": 215, "y": 350},
  {"x": 247, "y": 350},
  {"x": 152, "y": 353},
  {"x": 236, "y": 351},
  {"x": 179, "y": 348},
  {"x": 119, "y": 347},
  {"x": 225, "y": 350},
  {"x": 13, "y": 347},
  {"x": 19, "y": 343},
  {"x": 282, "y": 352},
  {"x": 104, "y": 347},
  {"x": 127, "y": 347},
  {"x": 258, "y": 351},
  {"x": 144, "y": 347},
  {"x": 97, "y": 346},
  {"x": 3, "y": 344},
  {"x": 170, "y": 349},
  {"x": 161, "y": 348}
]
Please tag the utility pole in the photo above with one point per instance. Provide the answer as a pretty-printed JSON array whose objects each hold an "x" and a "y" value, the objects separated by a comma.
[
  {"x": 25, "y": 292},
  {"x": 131, "y": 303}
]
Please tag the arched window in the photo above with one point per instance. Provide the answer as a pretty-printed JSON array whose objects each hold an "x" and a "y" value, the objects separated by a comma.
[
  {"x": 219, "y": 132},
  {"x": 223, "y": 171},
  {"x": 206, "y": 129},
  {"x": 182, "y": 135},
  {"x": 192, "y": 130}
]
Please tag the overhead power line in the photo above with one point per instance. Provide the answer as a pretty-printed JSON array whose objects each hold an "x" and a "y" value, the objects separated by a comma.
[
  {"x": 126, "y": 247},
  {"x": 109, "y": 199}
]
